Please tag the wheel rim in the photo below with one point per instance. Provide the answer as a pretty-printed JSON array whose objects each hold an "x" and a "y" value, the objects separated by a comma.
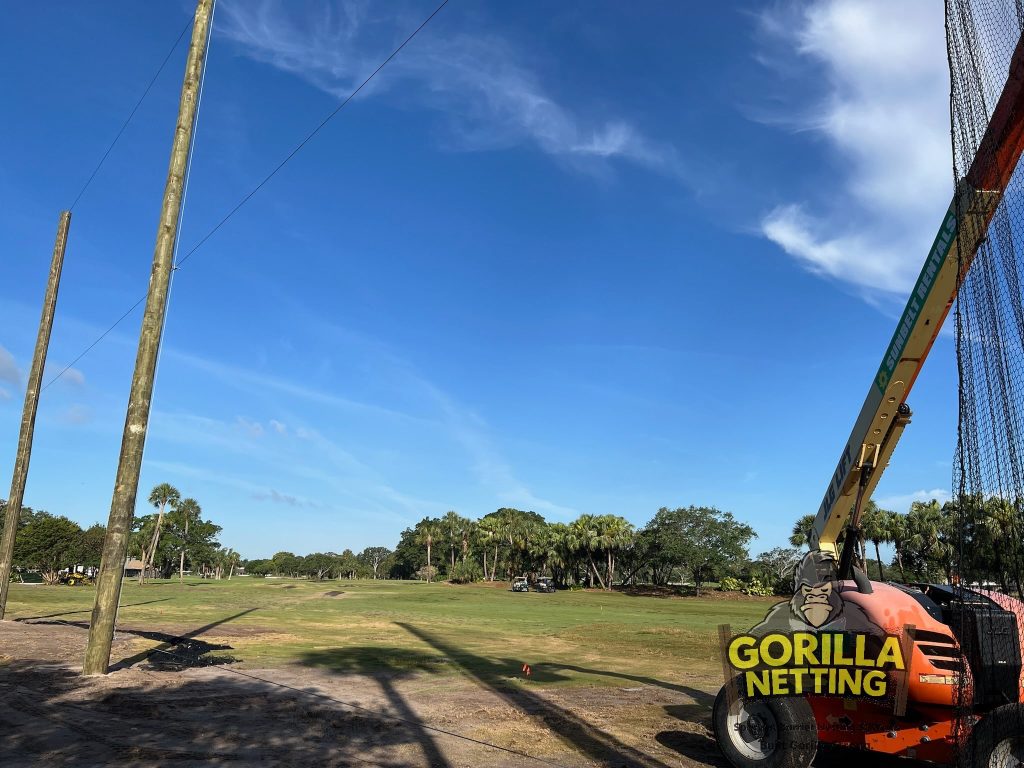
[
  {"x": 753, "y": 730},
  {"x": 1009, "y": 753}
]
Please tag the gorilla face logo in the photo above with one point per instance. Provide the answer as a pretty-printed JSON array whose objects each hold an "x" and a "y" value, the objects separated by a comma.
[{"x": 817, "y": 604}]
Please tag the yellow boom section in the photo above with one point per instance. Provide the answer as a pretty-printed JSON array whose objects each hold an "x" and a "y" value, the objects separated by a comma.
[
  {"x": 963, "y": 229},
  {"x": 885, "y": 413}
]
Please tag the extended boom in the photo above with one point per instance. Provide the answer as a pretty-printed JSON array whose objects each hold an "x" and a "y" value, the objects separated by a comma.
[{"x": 885, "y": 413}]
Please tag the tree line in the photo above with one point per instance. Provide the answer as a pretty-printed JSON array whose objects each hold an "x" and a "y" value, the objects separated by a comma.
[
  {"x": 692, "y": 545},
  {"x": 700, "y": 544},
  {"x": 173, "y": 538},
  {"x": 983, "y": 536},
  {"x": 695, "y": 545},
  {"x": 371, "y": 563},
  {"x": 48, "y": 544}
]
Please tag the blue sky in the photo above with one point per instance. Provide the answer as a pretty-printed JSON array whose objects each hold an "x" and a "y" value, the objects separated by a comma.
[{"x": 573, "y": 257}]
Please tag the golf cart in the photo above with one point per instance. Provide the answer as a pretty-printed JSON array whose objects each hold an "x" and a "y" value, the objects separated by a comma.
[
  {"x": 520, "y": 584},
  {"x": 544, "y": 584}
]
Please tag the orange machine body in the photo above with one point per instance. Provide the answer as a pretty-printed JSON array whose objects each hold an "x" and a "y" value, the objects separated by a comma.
[{"x": 926, "y": 730}]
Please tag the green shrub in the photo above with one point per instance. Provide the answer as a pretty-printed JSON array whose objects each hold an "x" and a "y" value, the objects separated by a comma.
[
  {"x": 730, "y": 584},
  {"x": 466, "y": 573},
  {"x": 759, "y": 588},
  {"x": 427, "y": 572}
]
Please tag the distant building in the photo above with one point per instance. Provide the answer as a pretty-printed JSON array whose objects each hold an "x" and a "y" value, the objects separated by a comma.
[{"x": 133, "y": 566}]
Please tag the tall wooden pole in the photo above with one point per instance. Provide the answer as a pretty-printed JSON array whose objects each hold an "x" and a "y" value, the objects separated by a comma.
[
  {"x": 28, "y": 415},
  {"x": 122, "y": 506}
]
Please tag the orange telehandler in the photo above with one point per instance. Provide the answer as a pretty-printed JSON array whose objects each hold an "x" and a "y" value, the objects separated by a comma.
[{"x": 962, "y": 682}]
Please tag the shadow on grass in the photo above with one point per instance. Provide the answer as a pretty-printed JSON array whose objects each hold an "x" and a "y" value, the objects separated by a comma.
[
  {"x": 174, "y": 652},
  {"x": 88, "y": 610},
  {"x": 494, "y": 675},
  {"x": 386, "y": 666},
  {"x": 177, "y": 652},
  {"x": 704, "y": 699},
  {"x": 51, "y": 716},
  {"x": 695, "y": 746},
  {"x": 648, "y": 590}
]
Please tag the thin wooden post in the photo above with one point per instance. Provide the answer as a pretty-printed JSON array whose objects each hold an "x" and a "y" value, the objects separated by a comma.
[
  {"x": 28, "y": 415},
  {"x": 122, "y": 505}
]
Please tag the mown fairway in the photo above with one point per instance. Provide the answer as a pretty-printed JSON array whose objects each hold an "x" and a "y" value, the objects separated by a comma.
[{"x": 481, "y": 630}]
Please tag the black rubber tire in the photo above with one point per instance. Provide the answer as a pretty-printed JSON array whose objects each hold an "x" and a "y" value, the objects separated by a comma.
[
  {"x": 795, "y": 733},
  {"x": 1005, "y": 723}
]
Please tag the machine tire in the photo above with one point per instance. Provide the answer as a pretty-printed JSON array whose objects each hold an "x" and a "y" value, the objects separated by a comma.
[
  {"x": 997, "y": 740},
  {"x": 745, "y": 731}
]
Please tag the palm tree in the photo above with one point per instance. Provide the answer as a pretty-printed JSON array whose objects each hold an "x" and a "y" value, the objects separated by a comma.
[
  {"x": 512, "y": 531},
  {"x": 454, "y": 525},
  {"x": 233, "y": 559},
  {"x": 585, "y": 537},
  {"x": 896, "y": 533},
  {"x": 802, "y": 531},
  {"x": 484, "y": 534},
  {"x": 556, "y": 555},
  {"x": 428, "y": 531},
  {"x": 615, "y": 533},
  {"x": 468, "y": 533},
  {"x": 189, "y": 510},
  {"x": 926, "y": 536},
  {"x": 161, "y": 497},
  {"x": 873, "y": 526},
  {"x": 1002, "y": 520}
]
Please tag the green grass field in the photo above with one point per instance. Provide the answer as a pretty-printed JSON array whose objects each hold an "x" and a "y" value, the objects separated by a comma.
[{"x": 482, "y": 630}]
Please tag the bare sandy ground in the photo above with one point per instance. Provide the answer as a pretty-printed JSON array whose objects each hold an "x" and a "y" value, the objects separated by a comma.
[{"x": 151, "y": 714}]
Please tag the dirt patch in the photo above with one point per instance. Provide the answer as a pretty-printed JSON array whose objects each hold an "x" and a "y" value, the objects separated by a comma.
[
  {"x": 144, "y": 715},
  {"x": 334, "y": 594}
]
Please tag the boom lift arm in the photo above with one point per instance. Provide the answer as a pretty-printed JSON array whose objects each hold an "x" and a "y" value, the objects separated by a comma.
[{"x": 885, "y": 412}]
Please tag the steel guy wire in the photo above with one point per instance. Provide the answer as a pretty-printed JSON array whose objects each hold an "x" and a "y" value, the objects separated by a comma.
[
  {"x": 131, "y": 114},
  {"x": 258, "y": 187}
]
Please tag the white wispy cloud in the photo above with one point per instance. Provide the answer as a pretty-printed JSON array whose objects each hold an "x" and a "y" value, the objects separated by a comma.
[
  {"x": 219, "y": 477},
  {"x": 69, "y": 376},
  {"x": 74, "y": 376},
  {"x": 255, "y": 381},
  {"x": 434, "y": 409},
  {"x": 901, "y": 502},
  {"x": 885, "y": 116},
  {"x": 8, "y": 368},
  {"x": 249, "y": 427},
  {"x": 470, "y": 430},
  {"x": 337, "y": 480},
  {"x": 277, "y": 497},
  {"x": 76, "y": 415},
  {"x": 490, "y": 98}
]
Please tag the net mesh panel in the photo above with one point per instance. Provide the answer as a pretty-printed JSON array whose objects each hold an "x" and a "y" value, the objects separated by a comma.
[{"x": 987, "y": 522}]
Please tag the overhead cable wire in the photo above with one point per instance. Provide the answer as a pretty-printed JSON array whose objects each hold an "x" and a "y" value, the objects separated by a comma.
[
  {"x": 131, "y": 114},
  {"x": 311, "y": 134},
  {"x": 202, "y": 241}
]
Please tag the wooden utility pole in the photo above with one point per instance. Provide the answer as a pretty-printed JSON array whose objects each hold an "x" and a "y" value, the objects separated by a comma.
[
  {"x": 28, "y": 415},
  {"x": 126, "y": 486}
]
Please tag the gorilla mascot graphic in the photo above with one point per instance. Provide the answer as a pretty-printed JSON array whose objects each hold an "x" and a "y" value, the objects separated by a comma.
[{"x": 817, "y": 603}]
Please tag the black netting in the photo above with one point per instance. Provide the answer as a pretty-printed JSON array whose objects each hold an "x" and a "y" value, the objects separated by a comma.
[{"x": 987, "y": 530}]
